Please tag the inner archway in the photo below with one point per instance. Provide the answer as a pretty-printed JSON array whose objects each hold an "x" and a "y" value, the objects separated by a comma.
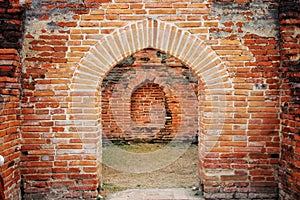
[
  {"x": 153, "y": 98},
  {"x": 148, "y": 105}
]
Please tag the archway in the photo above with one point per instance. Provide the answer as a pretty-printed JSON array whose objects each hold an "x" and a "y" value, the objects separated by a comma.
[{"x": 150, "y": 33}]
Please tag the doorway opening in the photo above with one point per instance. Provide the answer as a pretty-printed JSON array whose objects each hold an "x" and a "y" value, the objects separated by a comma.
[{"x": 149, "y": 105}]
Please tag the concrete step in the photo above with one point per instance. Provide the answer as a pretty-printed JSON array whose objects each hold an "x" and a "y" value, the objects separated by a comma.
[{"x": 155, "y": 194}]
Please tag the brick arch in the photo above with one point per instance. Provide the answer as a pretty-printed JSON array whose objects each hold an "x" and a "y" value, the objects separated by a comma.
[
  {"x": 151, "y": 33},
  {"x": 163, "y": 36},
  {"x": 85, "y": 106}
]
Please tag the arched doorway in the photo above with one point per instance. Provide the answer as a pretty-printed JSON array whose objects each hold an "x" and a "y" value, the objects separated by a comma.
[{"x": 214, "y": 88}]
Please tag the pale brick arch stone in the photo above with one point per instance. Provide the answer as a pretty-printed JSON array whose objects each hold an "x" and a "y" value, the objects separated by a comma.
[{"x": 151, "y": 33}]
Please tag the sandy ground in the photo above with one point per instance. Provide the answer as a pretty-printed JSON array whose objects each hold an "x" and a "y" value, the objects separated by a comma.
[{"x": 182, "y": 173}]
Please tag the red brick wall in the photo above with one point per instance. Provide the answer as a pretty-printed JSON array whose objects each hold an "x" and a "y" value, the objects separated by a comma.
[
  {"x": 164, "y": 93},
  {"x": 10, "y": 94},
  {"x": 289, "y": 166},
  {"x": 10, "y": 90},
  {"x": 232, "y": 47}
]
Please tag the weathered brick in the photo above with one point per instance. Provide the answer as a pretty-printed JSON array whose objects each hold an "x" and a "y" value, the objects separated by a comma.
[{"x": 162, "y": 11}]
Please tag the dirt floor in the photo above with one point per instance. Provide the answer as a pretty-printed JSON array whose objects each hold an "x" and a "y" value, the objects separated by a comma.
[{"x": 182, "y": 173}]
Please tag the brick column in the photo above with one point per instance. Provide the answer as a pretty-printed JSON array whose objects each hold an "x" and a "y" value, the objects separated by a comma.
[
  {"x": 289, "y": 173},
  {"x": 10, "y": 93}
]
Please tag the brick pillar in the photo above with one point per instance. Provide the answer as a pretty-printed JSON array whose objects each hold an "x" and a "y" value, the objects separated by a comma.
[
  {"x": 289, "y": 173},
  {"x": 10, "y": 92}
]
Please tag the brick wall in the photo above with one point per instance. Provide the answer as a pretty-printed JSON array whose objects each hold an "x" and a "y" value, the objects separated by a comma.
[
  {"x": 71, "y": 46},
  {"x": 10, "y": 93},
  {"x": 289, "y": 172},
  {"x": 56, "y": 44},
  {"x": 162, "y": 93}
]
